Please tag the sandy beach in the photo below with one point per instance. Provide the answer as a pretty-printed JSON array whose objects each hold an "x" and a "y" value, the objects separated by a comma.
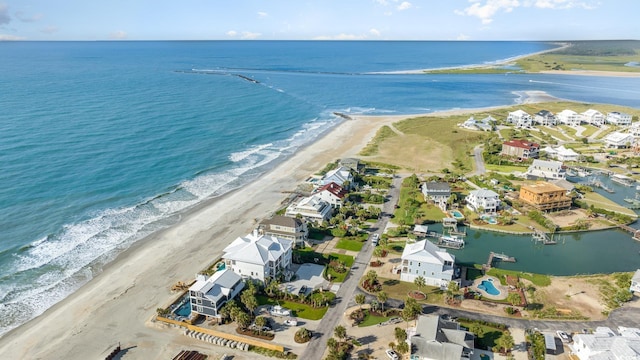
[{"x": 118, "y": 305}]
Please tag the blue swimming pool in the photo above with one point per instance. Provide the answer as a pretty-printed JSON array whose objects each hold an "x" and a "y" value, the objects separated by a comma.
[
  {"x": 457, "y": 214},
  {"x": 487, "y": 286},
  {"x": 490, "y": 219},
  {"x": 184, "y": 309}
]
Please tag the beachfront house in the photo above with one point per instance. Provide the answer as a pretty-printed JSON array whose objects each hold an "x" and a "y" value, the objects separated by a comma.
[
  {"x": 593, "y": 117},
  {"x": 545, "y": 196},
  {"x": 635, "y": 282},
  {"x": 483, "y": 201},
  {"x": 311, "y": 208},
  {"x": 485, "y": 124},
  {"x": 209, "y": 293},
  {"x": 561, "y": 153},
  {"x": 520, "y": 118},
  {"x": 520, "y": 149},
  {"x": 618, "y": 118},
  {"x": 285, "y": 227},
  {"x": 259, "y": 257},
  {"x": 424, "y": 258},
  {"x": 341, "y": 176},
  {"x": 634, "y": 129},
  {"x": 332, "y": 193},
  {"x": 546, "y": 169},
  {"x": 437, "y": 192},
  {"x": 618, "y": 140},
  {"x": 437, "y": 338},
  {"x": 569, "y": 118},
  {"x": 545, "y": 118},
  {"x": 351, "y": 163},
  {"x": 606, "y": 344}
]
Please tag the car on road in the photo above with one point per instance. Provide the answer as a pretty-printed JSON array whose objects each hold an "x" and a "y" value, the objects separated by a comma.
[
  {"x": 374, "y": 239},
  {"x": 291, "y": 322},
  {"x": 392, "y": 354},
  {"x": 566, "y": 338}
]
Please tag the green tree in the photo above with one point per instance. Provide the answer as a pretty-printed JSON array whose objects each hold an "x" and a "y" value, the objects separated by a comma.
[
  {"x": 244, "y": 320},
  {"x": 360, "y": 299},
  {"x": 230, "y": 310},
  {"x": 504, "y": 342},
  {"x": 411, "y": 309},
  {"x": 382, "y": 298},
  {"x": 302, "y": 335},
  {"x": 340, "y": 332},
  {"x": 371, "y": 277},
  {"x": 249, "y": 300},
  {"x": 400, "y": 334},
  {"x": 392, "y": 345},
  {"x": 420, "y": 282},
  {"x": 377, "y": 252},
  {"x": 402, "y": 348},
  {"x": 261, "y": 321},
  {"x": 514, "y": 299}
]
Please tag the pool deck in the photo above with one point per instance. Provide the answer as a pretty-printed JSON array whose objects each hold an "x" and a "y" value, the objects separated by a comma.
[{"x": 504, "y": 291}]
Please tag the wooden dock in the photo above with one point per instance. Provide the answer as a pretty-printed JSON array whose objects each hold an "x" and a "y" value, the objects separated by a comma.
[
  {"x": 541, "y": 237},
  {"x": 493, "y": 256},
  {"x": 633, "y": 231}
]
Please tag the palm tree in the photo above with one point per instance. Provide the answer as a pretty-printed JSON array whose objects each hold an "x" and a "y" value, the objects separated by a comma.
[
  {"x": 420, "y": 282},
  {"x": 249, "y": 300},
  {"x": 402, "y": 348},
  {"x": 382, "y": 297},
  {"x": 340, "y": 332},
  {"x": 377, "y": 252},
  {"x": 360, "y": 299}
]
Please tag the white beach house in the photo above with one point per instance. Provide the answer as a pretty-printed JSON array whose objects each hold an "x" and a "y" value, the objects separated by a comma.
[
  {"x": 634, "y": 129},
  {"x": 606, "y": 344},
  {"x": 561, "y": 153},
  {"x": 619, "y": 140},
  {"x": 259, "y": 257},
  {"x": 208, "y": 294},
  {"x": 593, "y": 117},
  {"x": 485, "y": 124},
  {"x": 618, "y": 118},
  {"x": 545, "y": 118},
  {"x": 332, "y": 193},
  {"x": 437, "y": 338},
  {"x": 483, "y": 200},
  {"x": 546, "y": 169},
  {"x": 569, "y": 118},
  {"x": 520, "y": 118},
  {"x": 311, "y": 208},
  {"x": 341, "y": 176},
  {"x": 423, "y": 258},
  {"x": 438, "y": 192}
]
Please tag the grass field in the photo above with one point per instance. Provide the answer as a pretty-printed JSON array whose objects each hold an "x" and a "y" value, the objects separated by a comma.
[
  {"x": 599, "y": 201},
  {"x": 590, "y": 130},
  {"x": 553, "y": 61},
  {"x": 351, "y": 245},
  {"x": 397, "y": 289},
  {"x": 370, "y": 320},
  {"x": 300, "y": 310},
  {"x": 557, "y": 134},
  {"x": 348, "y": 262},
  {"x": 505, "y": 168}
]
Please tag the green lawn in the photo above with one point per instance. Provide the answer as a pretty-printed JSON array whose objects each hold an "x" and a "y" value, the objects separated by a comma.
[
  {"x": 590, "y": 129},
  {"x": 300, "y": 310},
  {"x": 599, "y": 201},
  {"x": 397, "y": 289},
  {"x": 505, "y": 168},
  {"x": 556, "y": 134},
  {"x": 348, "y": 262},
  {"x": 536, "y": 279},
  {"x": 351, "y": 245},
  {"x": 370, "y": 320},
  {"x": 486, "y": 336}
]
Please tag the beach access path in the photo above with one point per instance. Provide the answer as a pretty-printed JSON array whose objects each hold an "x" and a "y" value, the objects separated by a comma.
[{"x": 345, "y": 296}]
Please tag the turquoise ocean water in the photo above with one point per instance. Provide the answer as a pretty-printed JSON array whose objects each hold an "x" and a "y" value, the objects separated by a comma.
[{"x": 102, "y": 143}]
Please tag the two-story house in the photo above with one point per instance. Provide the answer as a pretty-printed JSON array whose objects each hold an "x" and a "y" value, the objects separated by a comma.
[
  {"x": 546, "y": 169},
  {"x": 423, "y": 258},
  {"x": 286, "y": 227},
  {"x": 332, "y": 193},
  {"x": 561, "y": 153},
  {"x": 259, "y": 257},
  {"x": 520, "y": 149},
  {"x": 208, "y": 294},
  {"x": 483, "y": 200},
  {"x": 311, "y": 208},
  {"x": 437, "y": 338},
  {"x": 341, "y": 176},
  {"x": 603, "y": 343},
  {"x": 438, "y": 192},
  {"x": 635, "y": 282},
  {"x": 545, "y": 118},
  {"x": 618, "y": 118},
  {"x": 545, "y": 196},
  {"x": 593, "y": 117},
  {"x": 569, "y": 118},
  {"x": 618, "y": 140},
  {"x": 520, "y": 118}
]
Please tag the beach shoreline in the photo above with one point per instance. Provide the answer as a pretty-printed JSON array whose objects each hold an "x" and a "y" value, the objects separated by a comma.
[{"x": 117, "y": 305}]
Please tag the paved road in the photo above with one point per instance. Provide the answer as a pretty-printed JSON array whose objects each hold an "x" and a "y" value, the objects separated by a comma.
[
  {"x": 345, "y": 295},
  {"x": 477, "y": 154}
]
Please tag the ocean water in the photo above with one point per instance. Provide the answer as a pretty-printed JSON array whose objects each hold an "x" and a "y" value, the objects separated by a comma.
[{"x": 102, "y": 143}]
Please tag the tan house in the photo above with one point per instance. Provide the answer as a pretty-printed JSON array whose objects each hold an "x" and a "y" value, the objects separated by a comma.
[
  {"x": 545, "y": 196},
  {"x": 286, "y": 227}
]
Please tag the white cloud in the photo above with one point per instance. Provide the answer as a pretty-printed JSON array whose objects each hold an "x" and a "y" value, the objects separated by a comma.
[
  {"x": 28, "y": 18},
  {"x": 374, "y": 32},
  {"x": 405, "y": 5},
  {"x": 463, "y": 37},
  {"x": 49, "y": 29},
  {"x": 232, "y": 33},
  {"x": 5, "y": 37},
  {"x": 341, "y": 37},
  {"x": 486, "y": 9},
  {"x": 118, "y": 35},
  {"x": 262, "y": 14},
  {"x": 4, "y": 15},
  {"x": 247, "y": 35},
  {"x": 382, "y": 2}
]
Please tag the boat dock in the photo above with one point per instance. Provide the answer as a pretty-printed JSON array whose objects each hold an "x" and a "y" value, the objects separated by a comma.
[
  {"x": 499, "y": 256},
  {"x": 541, "y": 237},
  {"x": 599, "y": 184},
  {"x": 447, "y": 241},
  {"x": 633, "y": 231}
]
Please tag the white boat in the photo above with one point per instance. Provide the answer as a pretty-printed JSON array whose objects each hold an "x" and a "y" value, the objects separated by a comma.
[
  {"x": 622, "y": 180},
  {"x": 638, "y": 187}
]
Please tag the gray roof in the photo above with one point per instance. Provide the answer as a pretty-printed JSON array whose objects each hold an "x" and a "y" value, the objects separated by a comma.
[
  {"x": 218, "y": 285},
  {"x": 436, "y": 186},
  {"x": 283, "y": 221},
  {"x": 440, "y": 339}
]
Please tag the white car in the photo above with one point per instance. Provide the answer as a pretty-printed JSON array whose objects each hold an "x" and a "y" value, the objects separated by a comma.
[
  {"x": 291, "y": 322},
  {"x": 563, "y": 336},
  {"x": 392, "y": 354},
  {"x": 374, "y": 239}
]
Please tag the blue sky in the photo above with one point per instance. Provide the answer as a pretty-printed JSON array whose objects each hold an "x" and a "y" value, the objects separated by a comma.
[{"x": 320, "y": 19}]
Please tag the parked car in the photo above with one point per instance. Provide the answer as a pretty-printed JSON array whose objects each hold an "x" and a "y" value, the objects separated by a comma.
[
  {"x": 278, "y": 310},
  {"x": 392, "y": 354},
  {"x": 374, "y": 239},
  {"x": 291, "y": 322},
  {"x": 563, "y": 336}
]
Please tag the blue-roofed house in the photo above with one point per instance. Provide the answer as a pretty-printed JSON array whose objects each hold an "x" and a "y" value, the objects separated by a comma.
[{"x": 208, "y": 294}]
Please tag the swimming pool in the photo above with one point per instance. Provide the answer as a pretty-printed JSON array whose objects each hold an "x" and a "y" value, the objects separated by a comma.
[
  {"x": 490, "y": 219},
  {"x": 184, "y": 309},
  {"x": 487, "y": 286},
  {"x": 457, "y": 214}
]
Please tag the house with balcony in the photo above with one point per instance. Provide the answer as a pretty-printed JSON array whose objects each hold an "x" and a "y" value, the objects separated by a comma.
[
  {"x": 520, "y": 149},
  {"x": 209, "y": 293},
  {"x": 311, "y": 208},
  {"x": 520, "y": 118},
  {"x": 545, "y": 196},
  {"x": 635, "y": 282},
  {"x": 259, "y": 257},
  {"x": 437, "y": 338},
  {"x": 546, "y": 169},
  {"x": 545, "y": 118},
  {"x": 634, "y": 129},
  {"x": 424, "y": 258},
  {"x": 618, "y": 118},
  {"x": 561, "y": 153},
  {"x": 618, "y": 140},
  {"x": 569, "y": 118},
  {"x": 593, "y": 117},
  {"x": 285, "y": 227},
  {"x": 483, "y": 201},
  {"x": 332, "y": 193},
  {"x": 604, "y": 343},
  {"x": 341, "y": 176},
  {"x": 437, "y": 192}
]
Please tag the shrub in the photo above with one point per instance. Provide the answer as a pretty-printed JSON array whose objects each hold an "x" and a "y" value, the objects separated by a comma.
[{"x": 302, "y": 336}]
